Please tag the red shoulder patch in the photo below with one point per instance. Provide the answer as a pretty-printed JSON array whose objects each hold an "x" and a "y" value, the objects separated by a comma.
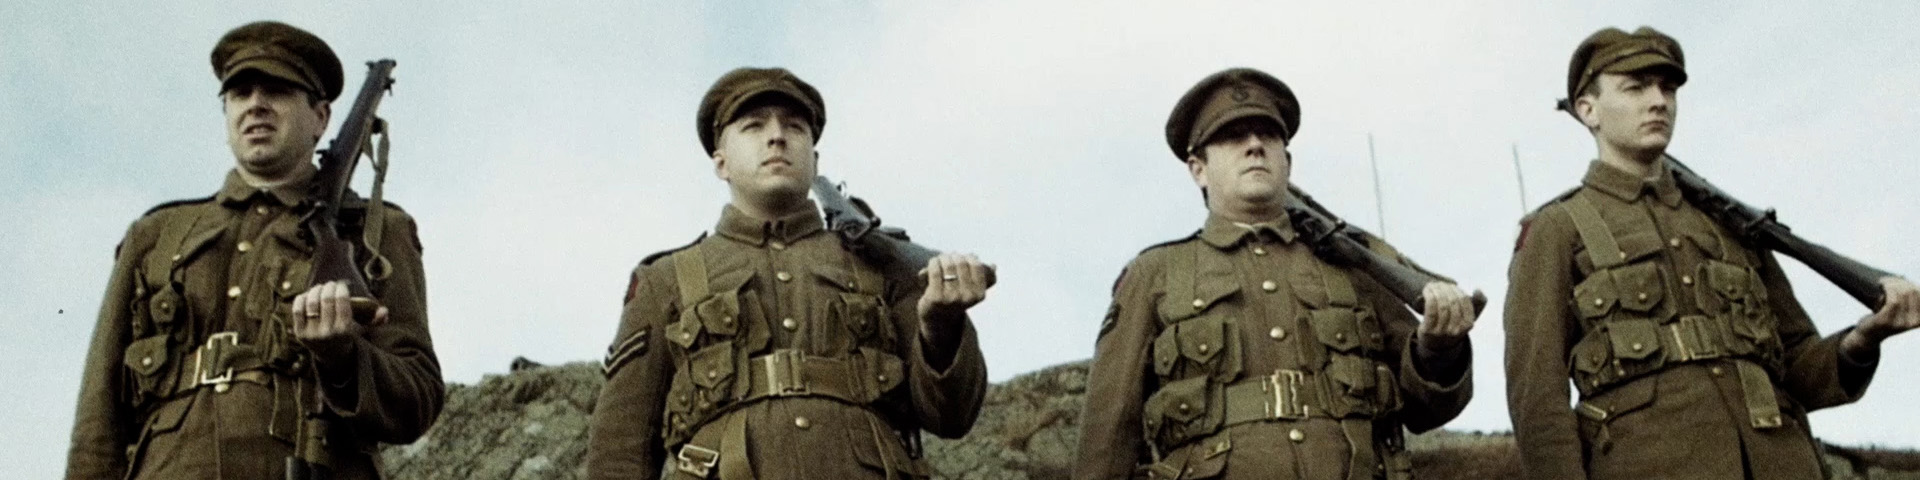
[
  {"x": 633, "y": 287},
  {"x": 1522, "y": 241}
]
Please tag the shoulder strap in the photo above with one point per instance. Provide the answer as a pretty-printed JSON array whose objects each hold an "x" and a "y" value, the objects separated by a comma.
[
  {"x": 1599, "y": 240},
  {"x": 690, "y": 269}
]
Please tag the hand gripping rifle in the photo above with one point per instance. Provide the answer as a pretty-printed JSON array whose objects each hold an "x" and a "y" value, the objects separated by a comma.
[
  {"x": 1335, "y": 241},
  {"x": 333, "y": 257},
  {"x": 1759, "y": 228},
  {"x": 860, "y": 230}
]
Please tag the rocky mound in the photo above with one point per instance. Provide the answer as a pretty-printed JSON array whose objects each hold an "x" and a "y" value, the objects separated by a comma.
[{"x": 532, "y": 424}]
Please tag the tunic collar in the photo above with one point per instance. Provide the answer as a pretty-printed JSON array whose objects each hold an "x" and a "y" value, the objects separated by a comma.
[
  {"x": 737, "y": 225},
  {"x": 1616, "y": 182},
  {"x": 1223, "y": 233},
  {"x": 236, "y": 192}
]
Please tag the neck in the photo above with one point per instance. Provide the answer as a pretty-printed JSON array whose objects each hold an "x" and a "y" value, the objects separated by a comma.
[
  {"x": 299, "y": 171},
  {"x": 769, "y": 209},
  {"x": 1241, "y": 211},
  {"x": 1640, "y": 163}
]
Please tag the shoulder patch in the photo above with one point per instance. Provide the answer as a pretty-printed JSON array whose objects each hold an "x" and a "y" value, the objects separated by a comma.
[
  {"x": 1195, "y": 234},
  {"x": 663, "y": 254},
  {"x": 1526, "y": 222},
  {"x": 178, "y": 203}
]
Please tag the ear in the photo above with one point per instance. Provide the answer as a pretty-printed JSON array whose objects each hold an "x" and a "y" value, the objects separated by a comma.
[
  {"x": 720, "y": 166},
  {"x": 1197, "y": 168},
  {"x": 325, "y": 109},
  {"x": 1583, "y": 108}
]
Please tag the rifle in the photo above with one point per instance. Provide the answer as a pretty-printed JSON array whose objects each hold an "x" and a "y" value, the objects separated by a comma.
[
  {"x": 333, "y": 255},
  {"x": 1759, "y": 227},
  {"x": 1334, "y": 240},
  {"x": 860, "y": 231}
]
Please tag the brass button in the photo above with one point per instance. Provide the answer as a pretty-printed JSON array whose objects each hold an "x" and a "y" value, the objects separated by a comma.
[
  {"x": 726, "y": 320},
  {"x": 1204, "y": 348},
  {"x": 1277, "y": 333},
  {"x": 1641, "y": 296},
  {"x": 1197, "y": 303},
  {"x": 286, "y": 285},
  {"x": 1259, "y": 251},
  {"x": 882, "y": 378},
  {"x": 1686, "y": 279},
  {"x": 1717, "y": 371},
  {"x": 222, "y": 387},
  {"x": 233, "y": 291},
  {"x": 1674, "y": 242},
  {"x": 783, "y": 276},
  {"x": 1598, "y": 302},
  {"x": 1340, "y": 336},
  {"x": 146, "y": 361},
  {"x": 1296, "y": 435},
  {"x": 260, "y": 209},
  {"x": 1638, "y": 347},
  {"x": 244, "y": 246},
  {"x": 789, "y": 324},
  {"x": 1623, "y": 255},
  {"x": 1184, "y": 408},
  {"x": 176, "y": 257},
  {"x": 1269, "y": 285},
  {"x": 712, "y": 374},
  {"x": 686, "y": 335},
  {"x": 802, "y": 422},
  {"x": 777, "y": 245}
]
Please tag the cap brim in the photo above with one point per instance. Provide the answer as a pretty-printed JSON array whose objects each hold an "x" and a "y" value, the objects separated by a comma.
[
  {"x": 747, "y": 97},
  {"x": 270, "y": 67},
  {"x": 1236, "y": 113},
  {"x": 1648, "y": 61}
]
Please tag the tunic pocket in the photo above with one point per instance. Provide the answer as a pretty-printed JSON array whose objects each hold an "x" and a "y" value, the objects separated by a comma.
[
  {"x": 1180, "y": 410},
  {"x": 147, "y": 359}
]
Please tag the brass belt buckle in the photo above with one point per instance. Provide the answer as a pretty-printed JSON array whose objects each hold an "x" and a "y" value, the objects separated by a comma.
[
  {"x": 696, "y": 460},
  {"x": 1285, "y": 385},
  {"x": 214, "y": 344},
  {"x": 786, "y": 373}
]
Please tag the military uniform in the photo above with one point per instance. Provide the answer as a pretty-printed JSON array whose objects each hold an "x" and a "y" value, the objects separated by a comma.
[
  {"x": 770, "y": 351},
  {"x": 1239, "y": 353},
  {"x": 1690, "y": 354},
  {"x": 1691, "y": 357},
  {"x": 194, "y": 373}
]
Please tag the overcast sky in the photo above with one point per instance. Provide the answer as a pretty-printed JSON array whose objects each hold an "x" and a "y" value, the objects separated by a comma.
[{"x": 545, "y": 147}]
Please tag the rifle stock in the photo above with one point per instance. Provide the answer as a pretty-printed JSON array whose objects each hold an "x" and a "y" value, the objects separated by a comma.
[
  {"x": 1761, "y": 228},
  {"x": 860, "y": 230},
  {"x": 1332, "y": 239},
  {"x": 333, "y": 255}
]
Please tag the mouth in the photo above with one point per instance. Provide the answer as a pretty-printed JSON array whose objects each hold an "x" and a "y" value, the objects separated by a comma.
[
  {"x": 258, "y": 129},
  {"x": 776, "y": 161},
  {"x": 1658, "y": 124}
]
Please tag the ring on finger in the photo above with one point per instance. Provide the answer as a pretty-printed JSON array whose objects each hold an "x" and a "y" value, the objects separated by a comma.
[{"x": 949, "y": 277}]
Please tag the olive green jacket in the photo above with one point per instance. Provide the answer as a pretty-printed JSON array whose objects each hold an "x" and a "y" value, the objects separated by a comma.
[
  {"x": 1648, "y": 414},
  {"x": 677, "y": 372},
  {"x": 1259, "y": 302},
  {"x": 189, "y": 271}
]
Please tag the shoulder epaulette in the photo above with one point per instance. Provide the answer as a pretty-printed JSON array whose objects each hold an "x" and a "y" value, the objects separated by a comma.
[
  {"x": 663, "y": 254},
  {"x": 177, "y": 203},
  {"x": 1195, "y": 234}
]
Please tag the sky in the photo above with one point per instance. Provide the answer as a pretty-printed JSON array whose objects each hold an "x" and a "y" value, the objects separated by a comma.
[{"x": 545, "y": 147}]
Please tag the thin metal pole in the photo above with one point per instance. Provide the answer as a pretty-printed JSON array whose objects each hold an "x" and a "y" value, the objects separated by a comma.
[
  {"x": 1521, "y": 178},
  {"x": 1379, "y": 205}
]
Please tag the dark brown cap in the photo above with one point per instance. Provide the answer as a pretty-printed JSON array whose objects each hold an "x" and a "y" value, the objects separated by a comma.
[
  {"x": 281, "y": 51},
  {"x": 1226, "y": 96},
  {"x": 743, "y": 85},
  {"x": 1612, "y": 50}
]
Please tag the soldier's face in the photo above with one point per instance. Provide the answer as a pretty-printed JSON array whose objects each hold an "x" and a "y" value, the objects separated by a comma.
[
  {"x": 272, "y": 125},
  {"x": 1632, "y": 111},
  {"x": 1246, "y": 161},
  {"x": 767, "y": 151}
]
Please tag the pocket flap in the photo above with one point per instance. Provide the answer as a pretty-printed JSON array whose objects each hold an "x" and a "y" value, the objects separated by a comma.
[
  {"x": 1201, "y": 338},
  {"x": 1639, "y": 286},
  {"x": 1591, "y": 353},
  {"x": 164, "y": 306},
  {"x": 1596, "y": 295},
  {"x": 1208, "y": 292},
  {"x": 720, "y": 313},
  {"x": 1336, "y": 328},
  {"x": 712, "y": 366},
  {"x": 1703, "y": 236},
  {"x": 1183, "y": 400},
  {"x": 839, "y": 278},
  {"x": 1728, "y": 280},
  {"x": 1308, "y": 288},
  {"x": 1166, "y": 350},
  {"x": 684, "y": 332},
  {"x": 147, "y": 355},
  {"x": 1634, "y": 339},
  {"x": 1625, "y": 398},
  {"x": 860, "y": 312},
  {"x": 1640, "y": 245}
]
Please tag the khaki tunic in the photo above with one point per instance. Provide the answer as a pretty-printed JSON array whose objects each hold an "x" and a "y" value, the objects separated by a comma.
[
  {"x": 1273, "y": 294},
  {"x": 797, "y": 291},
  {"x": 1687, "y": 419},
  {"x": 240, "y": 262}
]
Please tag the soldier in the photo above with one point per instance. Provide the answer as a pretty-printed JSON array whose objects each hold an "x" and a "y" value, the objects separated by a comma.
[
  {"x": 1239, "y": 353},
  {"x": 213, "y": 357},
  {"x": 1690, "y": 354},
  {"x": 770, "y": 351}
]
